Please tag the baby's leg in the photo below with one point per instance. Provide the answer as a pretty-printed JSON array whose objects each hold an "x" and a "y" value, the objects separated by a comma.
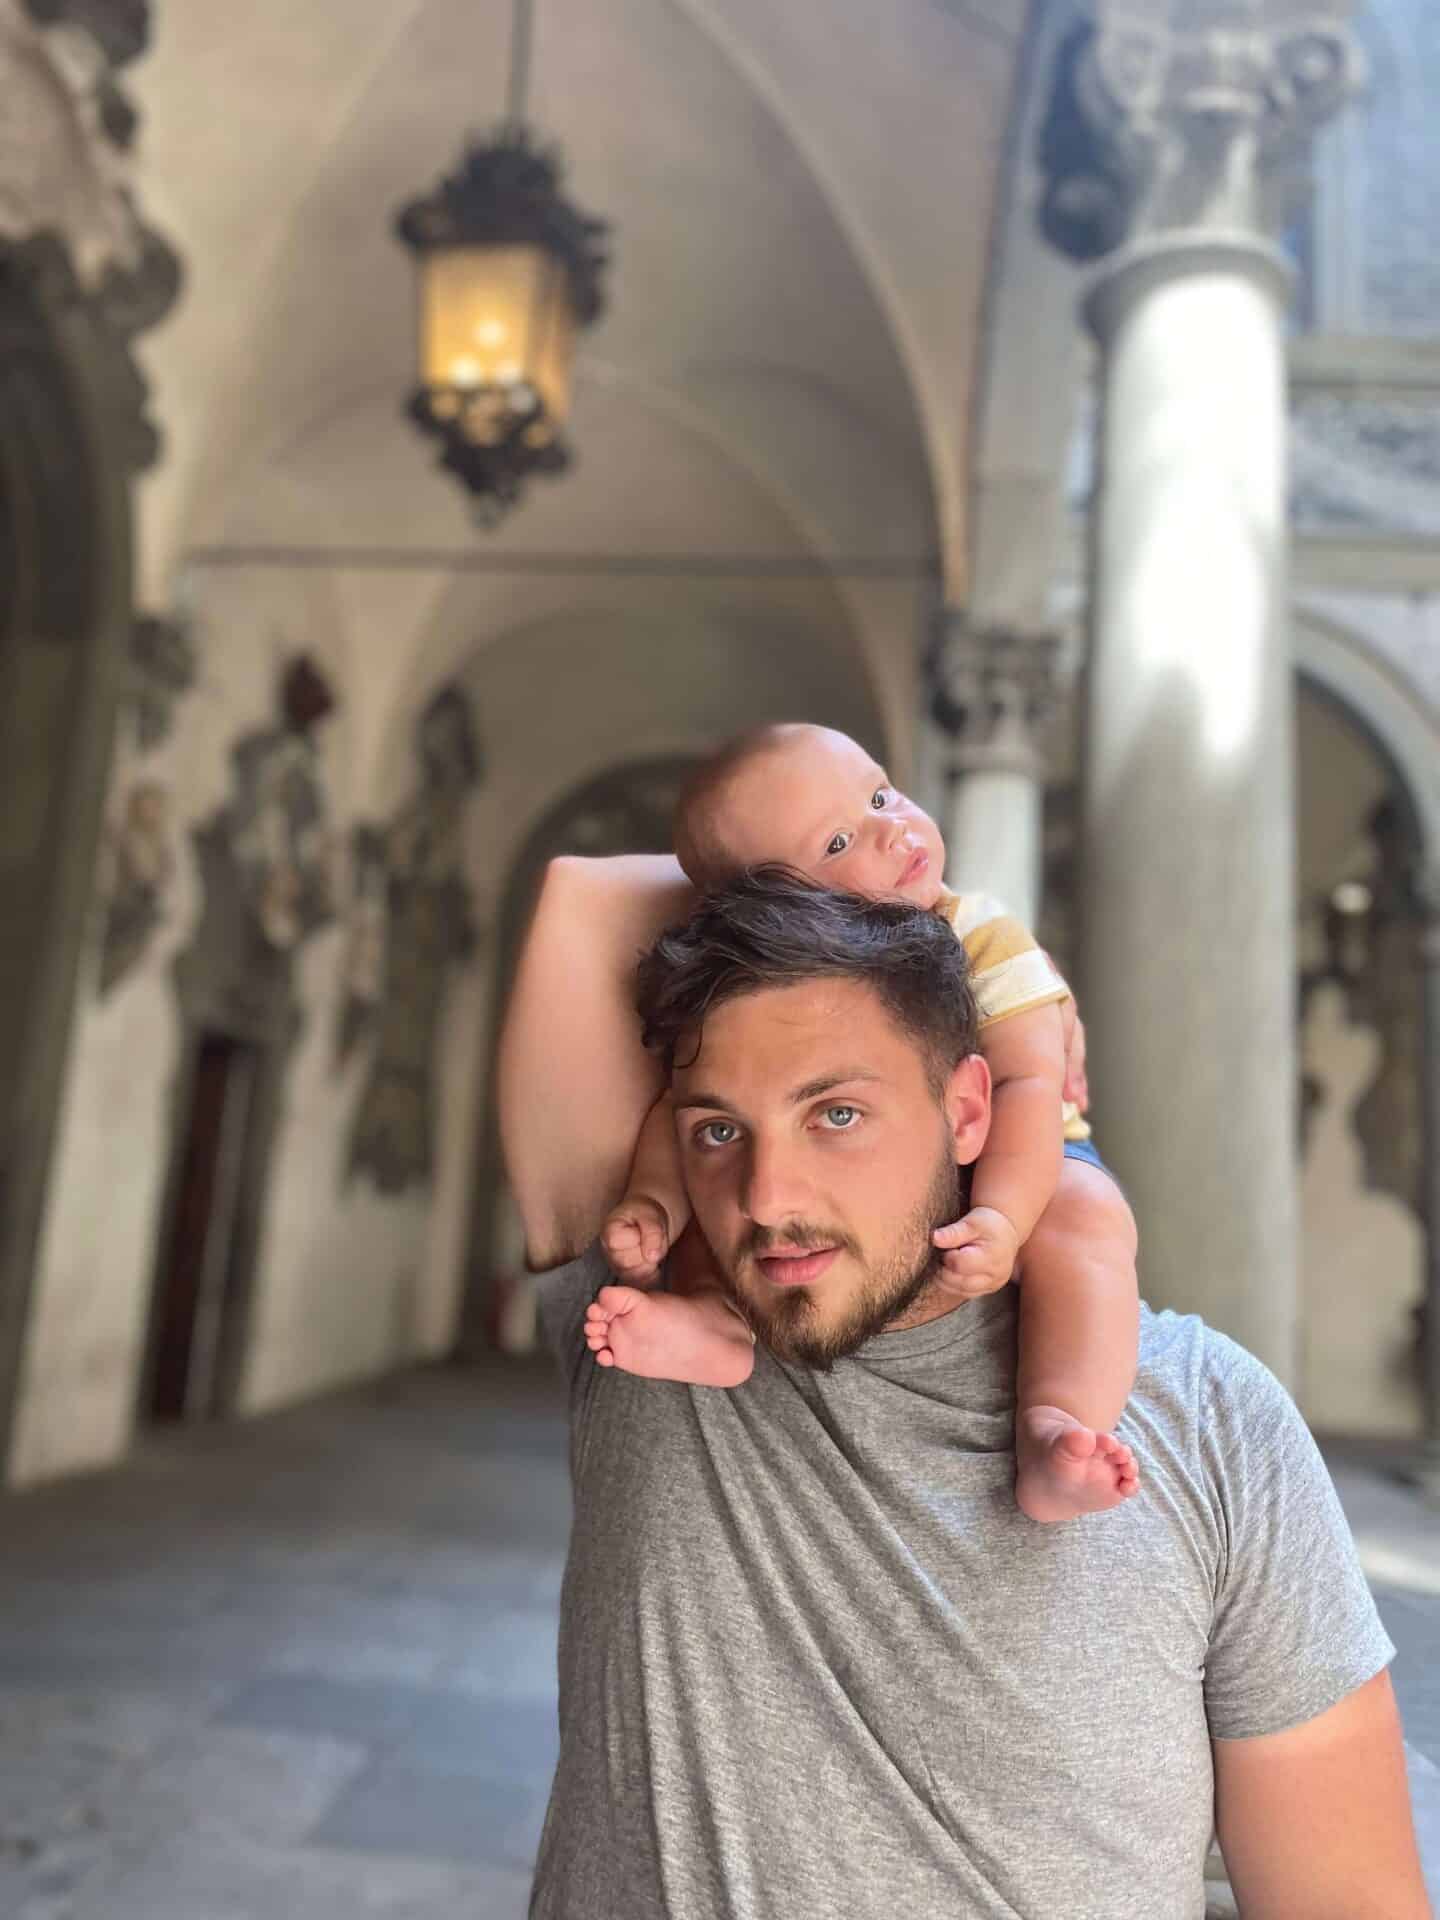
[
  {"x": 698, "y": 1338},
  {"x": 1079, "y": 1330}
]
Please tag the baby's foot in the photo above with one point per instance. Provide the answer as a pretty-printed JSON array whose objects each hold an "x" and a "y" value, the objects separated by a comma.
[
  {"x": 698, "y": 1339},
  {"x": 1065, "y": 1469}
]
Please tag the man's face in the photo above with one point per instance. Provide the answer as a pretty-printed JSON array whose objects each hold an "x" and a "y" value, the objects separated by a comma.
[{"x": 819, "y": 1161}]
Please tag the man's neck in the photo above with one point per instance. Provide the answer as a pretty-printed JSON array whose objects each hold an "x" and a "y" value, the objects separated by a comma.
[{"x": 933, "y": 1304}]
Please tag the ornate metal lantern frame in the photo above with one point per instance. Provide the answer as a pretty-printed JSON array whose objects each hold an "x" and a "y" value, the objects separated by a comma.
[{"x": 499, "y": 235}]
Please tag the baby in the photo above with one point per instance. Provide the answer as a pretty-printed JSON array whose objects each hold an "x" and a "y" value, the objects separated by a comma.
[{"x": 1040, "y": 1195}]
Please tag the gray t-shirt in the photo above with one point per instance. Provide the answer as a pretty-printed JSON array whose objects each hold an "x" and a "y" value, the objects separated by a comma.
[{"x": 816, "y": 1665}]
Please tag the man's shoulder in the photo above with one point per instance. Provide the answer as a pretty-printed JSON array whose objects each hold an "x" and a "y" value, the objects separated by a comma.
[
  {"x": 1205, "y": 1386},
  {"x": 561, "y": 1296}
]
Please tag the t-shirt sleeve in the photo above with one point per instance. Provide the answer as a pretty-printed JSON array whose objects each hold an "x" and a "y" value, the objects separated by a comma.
[
  {"x": 1009, "y": 971},
  {"x": 562, "y": 1295},
  {"x": 1294, "y": 1626}
]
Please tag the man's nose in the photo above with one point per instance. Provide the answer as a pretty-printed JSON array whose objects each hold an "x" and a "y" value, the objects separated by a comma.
[{"x": 773, "y": 1185}]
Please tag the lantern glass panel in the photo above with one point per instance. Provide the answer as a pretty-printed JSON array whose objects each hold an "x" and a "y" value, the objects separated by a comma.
[{"x": 497, "y": 317}]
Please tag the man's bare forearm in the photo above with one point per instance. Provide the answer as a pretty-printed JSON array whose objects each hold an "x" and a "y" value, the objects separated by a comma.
[{"x": 574, "y": 1082}]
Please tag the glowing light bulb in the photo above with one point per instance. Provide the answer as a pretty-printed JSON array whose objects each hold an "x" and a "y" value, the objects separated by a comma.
[{"x": 465, "y": 372}]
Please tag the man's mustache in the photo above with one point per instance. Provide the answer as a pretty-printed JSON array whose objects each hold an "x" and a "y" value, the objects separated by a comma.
[{"x": 798, "y": 1236}]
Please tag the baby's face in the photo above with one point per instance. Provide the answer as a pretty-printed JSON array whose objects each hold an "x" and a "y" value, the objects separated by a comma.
[{"x": 820, "y": 803}]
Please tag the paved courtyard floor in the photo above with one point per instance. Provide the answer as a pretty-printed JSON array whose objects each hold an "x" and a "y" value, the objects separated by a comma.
[{"x": 303, "y": 1668}]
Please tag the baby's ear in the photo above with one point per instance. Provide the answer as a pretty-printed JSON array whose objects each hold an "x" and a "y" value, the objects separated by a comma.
[{"x": 967, "y": 1108}]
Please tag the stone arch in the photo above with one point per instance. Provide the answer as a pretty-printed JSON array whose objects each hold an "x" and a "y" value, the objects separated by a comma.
[
  {"x": 1339, "y": 666},
  {"x": 624, "y": 809}
]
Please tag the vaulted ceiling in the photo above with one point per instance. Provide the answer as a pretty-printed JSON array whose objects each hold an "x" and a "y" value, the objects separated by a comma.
[{"x": 802, "y": 198}]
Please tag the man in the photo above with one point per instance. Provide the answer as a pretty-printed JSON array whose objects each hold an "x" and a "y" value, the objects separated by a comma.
[{"x": 813, "y": 1661}]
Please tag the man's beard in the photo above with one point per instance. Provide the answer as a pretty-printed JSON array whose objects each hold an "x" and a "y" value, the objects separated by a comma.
[{"x": 789, "y": 1323}]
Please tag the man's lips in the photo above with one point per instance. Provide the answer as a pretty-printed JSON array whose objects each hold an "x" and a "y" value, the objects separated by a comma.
[
  {"x": 913, "y": 868},
  {"x": 795, "y": 1269}
]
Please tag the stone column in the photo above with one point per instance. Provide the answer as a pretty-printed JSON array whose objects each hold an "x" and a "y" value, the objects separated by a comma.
[
  {"x": 990, "y": 691},
  {"x": 1185, "y": 120}
]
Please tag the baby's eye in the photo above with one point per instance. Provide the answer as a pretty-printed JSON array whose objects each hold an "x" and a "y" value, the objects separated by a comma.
[
  {"x": 841, "y": 1119},
  {"x": 716, "y": 1133},
  {"x": 838, "y": 845},
  {"x": 880, "y": 799}
]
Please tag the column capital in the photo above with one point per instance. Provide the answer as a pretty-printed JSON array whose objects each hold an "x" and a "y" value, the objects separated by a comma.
[
  {"x": 1188, "y": 118},
  {"x": 990, "y": 690}
]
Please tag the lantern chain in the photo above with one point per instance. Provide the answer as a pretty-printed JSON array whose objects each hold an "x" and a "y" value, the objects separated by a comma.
[{"x": 521, "y": 39}]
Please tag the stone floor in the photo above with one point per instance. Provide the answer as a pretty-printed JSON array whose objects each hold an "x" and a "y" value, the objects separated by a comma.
[{"x": 302, "y": 1669}]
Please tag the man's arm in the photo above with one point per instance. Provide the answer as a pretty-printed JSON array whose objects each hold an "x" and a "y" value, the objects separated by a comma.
[
  {"x": 575, "y": 1084},
  {"x": 1315, "y": 1822}
]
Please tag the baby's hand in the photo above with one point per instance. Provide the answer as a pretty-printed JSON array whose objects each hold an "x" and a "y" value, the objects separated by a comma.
[
  {"x": 636, "y": 1239},
  {"x": 980, "y": 1253}
]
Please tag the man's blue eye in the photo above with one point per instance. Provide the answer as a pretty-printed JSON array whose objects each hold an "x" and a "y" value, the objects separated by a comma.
[
  {"x": 712, "y": 1128},
  {"x": 849, "y": 1114}
]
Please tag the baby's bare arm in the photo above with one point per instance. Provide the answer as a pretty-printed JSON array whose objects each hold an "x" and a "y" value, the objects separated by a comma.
[
  {"x": 1018, "y": 1172},
  {"x": 575, "y": 1084},
  {"x": 1080, "y": 1301}
]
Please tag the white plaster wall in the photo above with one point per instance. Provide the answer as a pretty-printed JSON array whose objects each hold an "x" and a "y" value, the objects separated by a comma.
[{"x": 338, "y": 1268}]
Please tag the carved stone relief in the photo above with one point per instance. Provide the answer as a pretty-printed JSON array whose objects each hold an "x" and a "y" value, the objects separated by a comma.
[
  {"x": 162, "y": 669},
  {"x": 137, "y": 862},
  {"x": 265, "y": 859},
  {"x": 138, "y": 858},
  {"x": 1386, "y": 995},
  {"x": 411, "y": 923}
]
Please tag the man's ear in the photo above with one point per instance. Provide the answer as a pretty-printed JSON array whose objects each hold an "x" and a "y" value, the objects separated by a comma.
[{"x": 967, "y": 1108}]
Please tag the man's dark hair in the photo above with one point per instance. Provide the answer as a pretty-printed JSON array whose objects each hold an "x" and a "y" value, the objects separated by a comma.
[{"x": 774, "y": 927}]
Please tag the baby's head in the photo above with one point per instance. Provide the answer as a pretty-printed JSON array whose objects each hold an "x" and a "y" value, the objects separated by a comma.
[{"x": 814, "y": 799}]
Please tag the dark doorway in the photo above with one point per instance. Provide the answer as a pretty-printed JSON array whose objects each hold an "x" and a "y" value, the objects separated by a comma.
[{"x": 197, "y": 1304}]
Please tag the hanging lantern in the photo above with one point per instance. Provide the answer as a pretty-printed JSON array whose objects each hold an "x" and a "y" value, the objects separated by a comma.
[{"x": 508, "y": 274}]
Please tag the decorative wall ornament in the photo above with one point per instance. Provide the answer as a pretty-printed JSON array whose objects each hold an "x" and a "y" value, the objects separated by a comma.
[
  {"x": 1367, "y": 936},
  {"x": 366, "y": 923},
  {"x": 1194, "y": 115},
  {"x": 992, "y": 690},
  {"x": 266, "y": 855},
  {"x": 162, "y": 669},
  {"x": 395, "y": 987},
  {"x": 275, "y": 823},
  {"x": 139, "y": 867},
  {"x": 1387, "y": 994}
]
